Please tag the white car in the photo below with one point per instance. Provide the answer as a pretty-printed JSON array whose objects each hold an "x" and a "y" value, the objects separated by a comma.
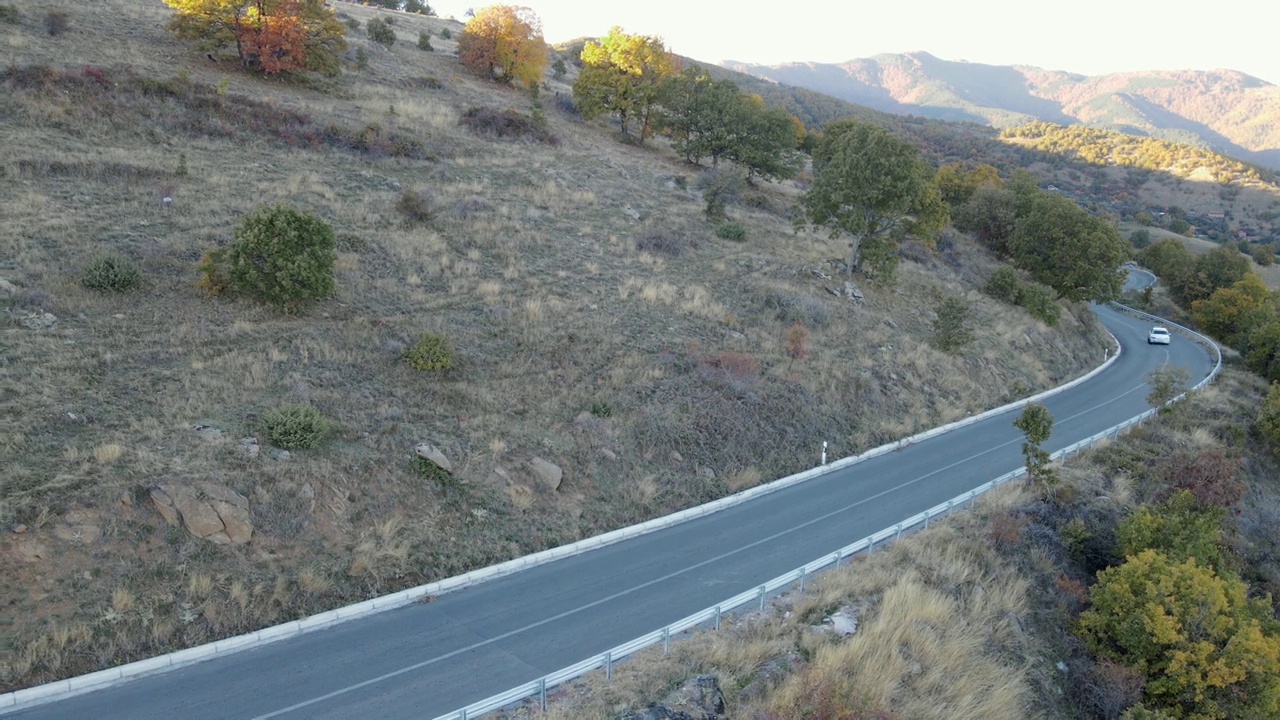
[{"x": 1158, "y": 336}]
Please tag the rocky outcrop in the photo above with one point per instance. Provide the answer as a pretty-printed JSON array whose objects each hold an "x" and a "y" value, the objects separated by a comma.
[
  {"x": 208, "y": 510},
  {"x": 699, "y": 698}
]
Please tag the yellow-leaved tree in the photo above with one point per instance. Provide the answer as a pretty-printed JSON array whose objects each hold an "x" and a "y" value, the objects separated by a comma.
[
  {"x": 504, "y": 43},
  {"x": 269, "y": 36},
  {"x": 621, "y": 75},
  {"x": 1206, "y": 649}
]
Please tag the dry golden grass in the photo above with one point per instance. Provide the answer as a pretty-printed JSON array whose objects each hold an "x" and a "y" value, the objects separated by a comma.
[{"x": 530, "y": 270}]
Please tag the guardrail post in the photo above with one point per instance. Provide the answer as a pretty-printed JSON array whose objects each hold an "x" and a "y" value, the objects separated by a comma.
[
  {"x": 762, "y": 591},
  {"x": 837, "y": 559},
  {"x": 666, "y": 640},
  {"x": 801, "y": 579},
  {"x": 898, "y": 532},
  {"x": 926, "y": 519},
  {"x": 608, "y": 666},
  {"x": 542, "y": 692},
  {"x": 717, "y": 617}
]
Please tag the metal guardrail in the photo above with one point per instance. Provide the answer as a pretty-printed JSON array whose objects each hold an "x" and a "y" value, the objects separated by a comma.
[{"x": 539, "y": 688}]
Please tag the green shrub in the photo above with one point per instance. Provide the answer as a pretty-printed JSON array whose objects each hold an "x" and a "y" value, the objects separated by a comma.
[
  {"x": 951, "y": 328},
  {"x": 294, "y": 427},
  {"x": 430, "y": 353},
  {"x": 417, "y": 206},
  {"x": 1140, "y": 238},
  {"x": 602, "y": 409},
  {"x": 424, "y": 41},
  {"x": 380, "y": 32},
  {"x": 1004, "y": 285},
  {"x": 1038, "y": 300},
  {"x": 353, "y": 24},
  {"x": 731, "y": 231},
  {"x": 1268, "y": 422},
  {"x": 446, "y": 33},
  {"x": 435, "y": 473},
  {"x": 283, "y": 257},
  {"x": 111, "y": 273},
  {"x": 9, "y": 14},
  {"x": 362, "y": 59},
  {"x": 1181, "y": 527}
]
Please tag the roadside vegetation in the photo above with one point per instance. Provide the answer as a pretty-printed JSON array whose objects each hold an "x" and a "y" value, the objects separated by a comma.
[
  {"x": 394, "y": 314},
  {"x": 1142, "y": 585}
]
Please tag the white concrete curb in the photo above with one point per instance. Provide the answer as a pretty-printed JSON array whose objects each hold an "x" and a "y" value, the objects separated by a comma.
[{"x": 60, "y": 689}]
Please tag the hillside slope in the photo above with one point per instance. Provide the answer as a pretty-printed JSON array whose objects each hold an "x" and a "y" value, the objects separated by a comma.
[
  {"x": 1224, "y": 110},
  {"x": 598, "y": 324}
]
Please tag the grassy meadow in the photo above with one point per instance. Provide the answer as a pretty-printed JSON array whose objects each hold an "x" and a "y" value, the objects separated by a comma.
[{"x": 597, "y": 322}]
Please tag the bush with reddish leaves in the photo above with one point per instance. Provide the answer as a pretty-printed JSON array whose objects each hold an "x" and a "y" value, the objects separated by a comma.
[{"x": 1211, "y": 476}]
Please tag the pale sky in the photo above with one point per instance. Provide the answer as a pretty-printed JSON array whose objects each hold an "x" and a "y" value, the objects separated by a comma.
[{"x": 1090, "y": 37}]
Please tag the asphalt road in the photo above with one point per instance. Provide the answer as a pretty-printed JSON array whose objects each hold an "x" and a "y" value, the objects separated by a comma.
[{"x": 426, "y": 660}]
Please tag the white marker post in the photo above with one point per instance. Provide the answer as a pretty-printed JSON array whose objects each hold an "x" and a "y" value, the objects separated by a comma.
[{"x": 824, "y": 452}]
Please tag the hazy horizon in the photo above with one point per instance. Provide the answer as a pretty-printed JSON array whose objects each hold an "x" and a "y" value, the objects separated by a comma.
[{"x": 1094, "y": 38}]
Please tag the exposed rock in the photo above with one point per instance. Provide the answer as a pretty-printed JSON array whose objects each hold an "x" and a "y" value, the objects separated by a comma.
[
  {"x": 30, "y": 550},
  {"x": 769, "y": 676},
  {"x": 209, "y": 511},
  {"x": 699, "y": 698},
  {"x": 852, "y": 291},
  {"x": 78, "y": 526},
  {"x": 207, "y": 432},
  {"x": 706, "y": 473},
  {"x": 19, "y": 528},
  {"x": 8, "y": 287},
  {"x": 278, "y": 454},
  {"x": 843, "y": 622},
  {"x": 308, "y": 492},
  {"x": 430, "y": 452},
  {"x": 631, "y": 212},
  {"x": 676, "y": 457},
  {"x": 609, "y": 454},
  {"x": 548, "y": 474},
  {"x": 250, "y": 447}
]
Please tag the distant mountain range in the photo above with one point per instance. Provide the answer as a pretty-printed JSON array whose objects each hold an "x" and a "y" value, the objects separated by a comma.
[{"x": 1223, "y": 110}]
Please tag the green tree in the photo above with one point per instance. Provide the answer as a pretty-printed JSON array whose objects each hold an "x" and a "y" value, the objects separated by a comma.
[
  {"x": 621, "y": 75},
  {"x": 1170, "y": 260},
  {"x": 1066, "y": 248},
  {"x": 697, "y": 112},
  {"x": 380, "y": 32},
  {"x": 1036, "y": 424},
  {"x": 1206, "y": 650},
  {"x": 1262, "y": 351},
  {"x": 504, "y": 43},
  {"x": 1231, "y": 313},
  {"x": 1166, "y": 383},
  {"x": 958, "y": 182},
  {"x": 268, "y": 35},
  {"x": 764, "y": 141},
  {"x": 991, "y": 214},
  {"x": 874, "y": 187},
  {"x": 1218, "y": 268}
]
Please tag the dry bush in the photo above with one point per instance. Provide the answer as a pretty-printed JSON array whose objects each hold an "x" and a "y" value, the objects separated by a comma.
[
  {"x": 506, "y": 124},
  {"x": 416, "y": 206},
  {"x": 661, "y": 241},
  {"x": 1211, "y": 475}
]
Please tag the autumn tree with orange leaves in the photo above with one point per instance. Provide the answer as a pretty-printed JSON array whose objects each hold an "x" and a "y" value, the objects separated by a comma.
[
  {"x": 270, "y": 36},
  {"x": 504, "y": 43}
]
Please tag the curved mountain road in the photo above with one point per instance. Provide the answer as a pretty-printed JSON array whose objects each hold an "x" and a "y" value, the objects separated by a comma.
[{"x": 425, "y": 660}]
